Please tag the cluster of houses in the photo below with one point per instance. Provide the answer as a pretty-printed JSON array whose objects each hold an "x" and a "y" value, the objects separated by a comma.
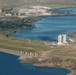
[
  {"x": 27, "y": 11},
  {"x": 34, "y": 10},
  {"x": 29, "y": 54}
]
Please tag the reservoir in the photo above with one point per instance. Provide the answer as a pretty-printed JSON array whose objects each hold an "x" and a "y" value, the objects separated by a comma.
[{"x": 9, "y": 65}]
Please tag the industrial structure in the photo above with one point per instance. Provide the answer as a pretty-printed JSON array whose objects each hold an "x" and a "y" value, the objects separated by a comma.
[{"x": 62, "y": 39}]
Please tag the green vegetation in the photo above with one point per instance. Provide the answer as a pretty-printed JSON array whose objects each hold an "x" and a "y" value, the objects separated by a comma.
[
  {"x": 22, "y": 44},
  {"x": 13, "y": 24}
]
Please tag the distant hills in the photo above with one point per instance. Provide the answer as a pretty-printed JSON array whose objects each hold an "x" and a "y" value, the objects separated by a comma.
[{"x": 36, "y": 2}]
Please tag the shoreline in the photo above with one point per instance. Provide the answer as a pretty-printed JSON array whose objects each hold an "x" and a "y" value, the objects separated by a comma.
[
  {"x": 17, "y": 53},
  {"x": 13, "y": 52},
  {"x": 51, "y": 65}
]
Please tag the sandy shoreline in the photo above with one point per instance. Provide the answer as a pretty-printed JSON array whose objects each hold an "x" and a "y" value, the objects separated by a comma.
[{"x": 17, "y": 53}]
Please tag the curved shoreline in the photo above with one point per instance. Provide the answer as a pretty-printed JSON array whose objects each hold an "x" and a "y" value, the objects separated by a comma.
[
  {"x": 50, "y": 65},
  {"x": 17, "y": 53}
]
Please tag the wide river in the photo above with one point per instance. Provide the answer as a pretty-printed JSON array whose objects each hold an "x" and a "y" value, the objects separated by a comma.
[
  {"x": 48, "y": 28},
  {"x": 9, "y": 65}
]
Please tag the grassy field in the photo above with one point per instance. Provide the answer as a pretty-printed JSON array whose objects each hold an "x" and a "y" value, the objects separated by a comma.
[
  {"x": 63, "y": 55},
  {"x": 22, "y": 44}
]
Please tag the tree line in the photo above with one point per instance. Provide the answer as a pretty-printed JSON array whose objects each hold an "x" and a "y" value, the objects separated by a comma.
[{"x": 18, "y": 23}]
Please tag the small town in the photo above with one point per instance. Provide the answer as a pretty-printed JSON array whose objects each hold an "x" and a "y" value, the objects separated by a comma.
[{"x": 25, "y": 11}]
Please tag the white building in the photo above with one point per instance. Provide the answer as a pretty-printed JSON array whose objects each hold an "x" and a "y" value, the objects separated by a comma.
[
  {"x": 62, "y": 39},
  {"x": 59, "y": 40}
]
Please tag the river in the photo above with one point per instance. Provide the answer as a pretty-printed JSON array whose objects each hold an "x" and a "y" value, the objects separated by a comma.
[
  {"x": 9, "y": 65},
  {"x": 48, "y": 28}
]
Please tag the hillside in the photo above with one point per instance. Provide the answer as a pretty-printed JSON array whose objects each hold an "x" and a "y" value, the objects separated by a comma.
[{"x": 37, "y": 2}]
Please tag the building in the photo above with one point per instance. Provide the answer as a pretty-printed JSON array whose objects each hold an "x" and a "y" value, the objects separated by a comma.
[
  {"x": 33, "y": 11},
  {"x": 59, "y": 40},
  {"x": 62, "y": 39}
]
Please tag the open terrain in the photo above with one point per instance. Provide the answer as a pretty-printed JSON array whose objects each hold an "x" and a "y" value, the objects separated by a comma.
[
  {"x": 22, "y": 44},
  {"x": 53, "y": 3}
]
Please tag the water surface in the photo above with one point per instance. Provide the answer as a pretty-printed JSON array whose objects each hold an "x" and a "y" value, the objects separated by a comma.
[
  {"x": 49, "y": 28},
  {"x": 9, "y": 65}
]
